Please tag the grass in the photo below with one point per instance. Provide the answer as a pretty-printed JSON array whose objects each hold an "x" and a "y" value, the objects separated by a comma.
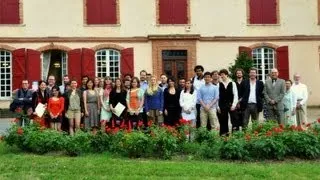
[{"x": 18, "y": 165}]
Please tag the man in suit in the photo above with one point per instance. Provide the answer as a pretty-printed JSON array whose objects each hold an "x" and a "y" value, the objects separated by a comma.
[
  {"x": 274, "y": 93},
  {"x": 252, "y": 99}
]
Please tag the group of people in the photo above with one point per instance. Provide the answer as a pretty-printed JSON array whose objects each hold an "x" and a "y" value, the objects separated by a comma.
[{"x": 206, "y": 100}]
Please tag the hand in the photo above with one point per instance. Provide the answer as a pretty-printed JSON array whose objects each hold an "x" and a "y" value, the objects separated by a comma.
[
  {"x": 206, "y": 108},
  {"x": 21, "y": 99},
  {"x": 219, "y": 111},
  {"x": 165, "y": 112},
  {"x": 272, "y": 102},
  {"x": 82, "y": 114},
  {"x": 160, "y": 112},
  {"x": 137, "y": 112},
  {"x": 148, "y": 114},
  {"x": 87, "y": 113},
  {"x": 232, "y": 108},
  {"x": 238, "y": 106}
]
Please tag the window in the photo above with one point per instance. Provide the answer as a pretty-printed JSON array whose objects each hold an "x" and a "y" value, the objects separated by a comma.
[
  {"x": 173, "y": 12},
  {"x": 64, "y": 67},
  {"x": 108, "y": 63},
  {"x": 263, "y": 11},
  {"x": 9, "y": 12},
  {"x": 102, "y": 12},
  {"x": 5, "y": 73},
  {"x": 263, "y": 60}
]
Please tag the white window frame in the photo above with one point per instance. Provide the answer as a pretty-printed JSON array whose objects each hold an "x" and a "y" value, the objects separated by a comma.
[
  {"x": 107, "y": 61},
  {"x": 64, "y": 61},
  {"x": 10, "y": 73},
  {"x": 261, "y": 66}
]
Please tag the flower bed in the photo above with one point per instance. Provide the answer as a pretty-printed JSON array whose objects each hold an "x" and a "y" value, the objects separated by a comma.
[{"x": 263, "y": 141}]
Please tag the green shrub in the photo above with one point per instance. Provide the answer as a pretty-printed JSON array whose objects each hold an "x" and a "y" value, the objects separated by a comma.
[
  {"x": 234, "y": 149},
  {"x": 137, "y": 144},
  {"x": 165, "y": 142},
  {"x": 100, "y": 142},
  {"x": 78, "y": 144}
]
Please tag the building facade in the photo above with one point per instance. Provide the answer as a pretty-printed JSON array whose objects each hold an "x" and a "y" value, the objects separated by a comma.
[{"x": 115, "y": 37}]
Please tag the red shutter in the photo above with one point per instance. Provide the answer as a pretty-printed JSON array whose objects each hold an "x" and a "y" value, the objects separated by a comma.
[
  {"x": 33, "y": 65},
  {"x": 127, "y": 62},
  {"x": 269, "y": 12},
  {"x": 9, "y": 12},
  {"x": 93, "y": 11},
  {"x": 247, "y": 50},
  {"x": 283, "y": 62},
  {"x": 88, "y": 63},
  {"x": 180, "y": 12},
  {"x": 18, "y": 67},
  {"x": 165, "y": 11},
  {"x": 74, "y": 64},
  {"x": 108, "y": 11},
  {"x": 256, "y": 11}
]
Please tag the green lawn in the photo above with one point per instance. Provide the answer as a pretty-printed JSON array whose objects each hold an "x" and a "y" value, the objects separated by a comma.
[{"x": 18, "y": 165}]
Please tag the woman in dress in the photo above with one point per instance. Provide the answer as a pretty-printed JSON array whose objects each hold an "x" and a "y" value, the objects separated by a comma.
[
  {"x": 135, "y": 101},
  {"x": 172, "y": 109},
  {"x": 40, "y": 96},
  {"x": 154, "y": 101},
  {"x": 74, "y": 107},
  {"x": 118, "y": 95},
  {"x": 55, "y": 109},
  {"x": 91, "y": 107},
  {"x": 105, "y": 114},
  {"x": 188, "y": 100},
  {"x": 289, "y": 102}
]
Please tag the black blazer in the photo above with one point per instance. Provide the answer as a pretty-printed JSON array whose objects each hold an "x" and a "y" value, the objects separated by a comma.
[{"x": 259, "y": 94}]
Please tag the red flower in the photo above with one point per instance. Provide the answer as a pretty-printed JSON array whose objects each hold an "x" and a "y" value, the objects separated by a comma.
[
  {"x": 82, "y": 125},
  {"x": 299, "y": 128},
  {"x": 281, "y": 126},
  {"x": 269, "y": 133},
  {"x": 308, "y": 124},
  {"x": 140, "y": 124},
  {"x": 293, "y": 127},
  {"x": 184, "y": 122},
  {"x": 1, "y": 138},
  {"x": 319, "y": 120},
  {"x": 19, "y": 131},
  {"x": 150, "y": 123},
  {"x": 18, "y": 110},
  {"x": 108, "y": 130},
  {"x": 248, "y": 137}
]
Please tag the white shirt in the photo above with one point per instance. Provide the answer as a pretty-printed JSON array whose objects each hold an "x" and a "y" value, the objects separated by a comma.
[
  {"x": 197, "y": 83},
  {"x": 252, "y": 94},
  {"x": 301, "y": 92}
]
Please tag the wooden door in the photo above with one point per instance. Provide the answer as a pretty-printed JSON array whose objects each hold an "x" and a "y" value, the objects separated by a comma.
[{"x": 175, "y": 68}]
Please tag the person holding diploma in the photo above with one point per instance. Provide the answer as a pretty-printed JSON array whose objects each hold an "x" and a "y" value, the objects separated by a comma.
[
  {"x": 135, "y": 101},
  {"x": 154, "y": 101},
  {"x": 40, "y": 96},
  {"x": 91, "y": 107},
  {"x": 56, "y": 108},
  {"x": 117, "y": 95}
]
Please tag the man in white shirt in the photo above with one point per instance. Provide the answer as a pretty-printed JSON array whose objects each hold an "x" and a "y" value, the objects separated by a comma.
[
  {"x": 65, "y": 81},
  {"x": 301, "y": 92},
  {"x": 198, "y": 81}
]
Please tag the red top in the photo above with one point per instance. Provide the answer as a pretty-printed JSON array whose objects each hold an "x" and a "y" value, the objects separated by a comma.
[{"x": 56, "y": 107}]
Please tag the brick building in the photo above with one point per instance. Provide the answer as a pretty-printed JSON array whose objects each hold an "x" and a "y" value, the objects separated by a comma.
[{"x": 114, "y": 37}]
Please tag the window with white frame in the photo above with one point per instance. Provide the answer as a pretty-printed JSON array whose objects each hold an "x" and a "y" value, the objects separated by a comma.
[
  {"x": 64, "y": 67},
  {"x": 263, "y": 60},
  {"x": 108, "y": 63},
  {"x": 5, "y": 74}
]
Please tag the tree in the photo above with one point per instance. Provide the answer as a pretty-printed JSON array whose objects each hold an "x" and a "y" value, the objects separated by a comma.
[{"x": 243, "y": 61}]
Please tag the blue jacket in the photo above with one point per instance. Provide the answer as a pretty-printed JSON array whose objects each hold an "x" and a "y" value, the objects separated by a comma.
[{"x": 154, "y": 101}]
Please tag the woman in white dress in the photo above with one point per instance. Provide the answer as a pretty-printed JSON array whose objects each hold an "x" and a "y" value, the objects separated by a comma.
[
  {"x": 289, "y": 102},
  {"x": 188, "y": 100}
]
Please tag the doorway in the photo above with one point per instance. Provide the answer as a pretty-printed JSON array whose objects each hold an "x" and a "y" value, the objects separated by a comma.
[
  {"x": 54, "y": 62},
  {"x": 175, "y": 63}
]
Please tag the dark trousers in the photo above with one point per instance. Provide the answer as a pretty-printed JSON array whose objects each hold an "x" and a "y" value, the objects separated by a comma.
[
  {"x": 252, "y": 111},
  {"x": 198, "y": 122},
  {"x": 223, "y": 117}
]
